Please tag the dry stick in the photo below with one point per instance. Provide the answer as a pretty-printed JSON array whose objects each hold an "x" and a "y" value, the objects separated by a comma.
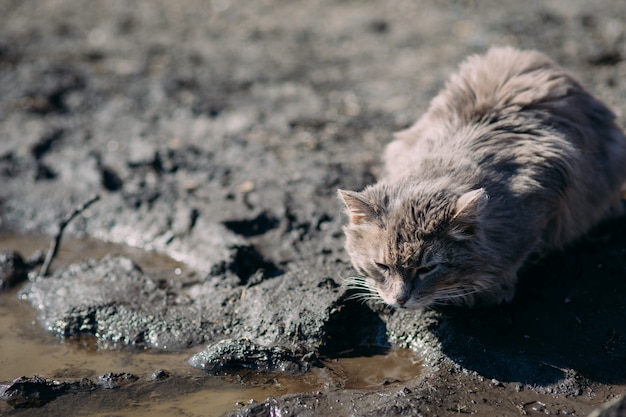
[{"x": 54, "y": 246}]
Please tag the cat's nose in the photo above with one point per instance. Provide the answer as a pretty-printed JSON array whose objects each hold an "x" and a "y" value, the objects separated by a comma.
[{"x": 402, "y": 300}]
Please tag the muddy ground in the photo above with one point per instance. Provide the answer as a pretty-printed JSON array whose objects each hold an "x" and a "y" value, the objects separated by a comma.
[{"x": 217, "y": 132}]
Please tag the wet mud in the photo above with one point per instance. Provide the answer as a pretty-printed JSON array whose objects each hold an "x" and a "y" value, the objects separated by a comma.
[
  {"x": 217, "y": 133},
  {"x": 88, "y": 374}
]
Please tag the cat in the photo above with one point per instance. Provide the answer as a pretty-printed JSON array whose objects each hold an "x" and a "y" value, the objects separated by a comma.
[{"x": 513, "y": 157}]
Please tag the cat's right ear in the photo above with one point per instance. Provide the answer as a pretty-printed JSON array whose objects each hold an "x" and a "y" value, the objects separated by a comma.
[
  {"x": 470, "y": 205},
  {"x": 467, "y": 213},
  {"x": 359, "y": 210}
]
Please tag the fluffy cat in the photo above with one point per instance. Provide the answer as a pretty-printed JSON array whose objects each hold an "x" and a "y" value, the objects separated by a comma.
[{"x": 512, "y": 157}]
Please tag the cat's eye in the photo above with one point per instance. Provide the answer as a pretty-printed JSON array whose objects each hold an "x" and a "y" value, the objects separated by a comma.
[
  {"x": 425, "y": 269},
  {"x": 384, "y": 268}
]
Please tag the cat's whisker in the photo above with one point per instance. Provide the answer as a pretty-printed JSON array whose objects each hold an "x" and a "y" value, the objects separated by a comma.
[
  {"x": 358, "y": 283},
  {"x": 448, "y": 294},
  {"x": 361, "y": 289},
  {"x": 364, "y": 289},
  {"x": 365, "y": 297},
  {"x": 355, "y": 280},
  {"x": 459, "y": 295},
  {"x": 357, "y": 287}
]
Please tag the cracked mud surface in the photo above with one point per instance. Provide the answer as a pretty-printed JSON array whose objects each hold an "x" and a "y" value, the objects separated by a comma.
[{"x": 217, "y": 133}]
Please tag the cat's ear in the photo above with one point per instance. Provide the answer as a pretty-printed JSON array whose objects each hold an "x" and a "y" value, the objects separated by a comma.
[
  {"x": 359, "y": 210},
  {"x": 469, "y": 206}
]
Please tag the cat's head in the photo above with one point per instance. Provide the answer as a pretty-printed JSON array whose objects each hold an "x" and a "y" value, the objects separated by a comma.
[{"x": 417, "y": 246}]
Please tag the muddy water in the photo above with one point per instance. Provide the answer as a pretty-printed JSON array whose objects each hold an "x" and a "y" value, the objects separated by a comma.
[{"x": 27, "y": 350}]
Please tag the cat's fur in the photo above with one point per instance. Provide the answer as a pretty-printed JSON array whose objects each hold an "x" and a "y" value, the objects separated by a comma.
[{"x": 512, "y": 157}]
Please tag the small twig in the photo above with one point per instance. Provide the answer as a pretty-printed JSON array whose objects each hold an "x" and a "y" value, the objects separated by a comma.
[
  {"x": 553, "y": 367},
  {"x": 54, "y": 245}
]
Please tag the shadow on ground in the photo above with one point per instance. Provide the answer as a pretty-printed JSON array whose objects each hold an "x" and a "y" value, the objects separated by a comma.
[
  {"x": 567, "y": 322},
  {"x": 353, "y": 329}
]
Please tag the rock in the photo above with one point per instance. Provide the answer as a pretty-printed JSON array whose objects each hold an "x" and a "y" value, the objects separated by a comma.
[
  {"x": 115, "y": 301},
  {"x": 160, "y": 375},
  {"x": 116, "y": 380},
  {"x": 35, "y": 391},
  {"x": 233, "y": 354},
  {"x": 13, "y": 269}
]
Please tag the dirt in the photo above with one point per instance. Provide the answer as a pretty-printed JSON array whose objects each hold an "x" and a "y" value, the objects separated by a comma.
[{"x": 217, "y": 133}]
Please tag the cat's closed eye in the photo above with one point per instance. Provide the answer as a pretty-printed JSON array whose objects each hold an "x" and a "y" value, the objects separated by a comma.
[
  {"x": 425, "y": 269},
  {"x": 382, "y": 267},
  {"x": 419, "y": 271}
]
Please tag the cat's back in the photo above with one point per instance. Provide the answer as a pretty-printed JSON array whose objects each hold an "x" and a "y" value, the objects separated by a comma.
[
  {"x": 502, "y": 81},
  {"x": 518, "y": 104},
  {"x": 518, "y": 117},
  {"x": 486, "y": 92}
]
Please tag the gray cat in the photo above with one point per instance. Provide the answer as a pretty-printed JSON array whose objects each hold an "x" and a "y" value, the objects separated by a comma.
[{"x": 513, "y": 157}]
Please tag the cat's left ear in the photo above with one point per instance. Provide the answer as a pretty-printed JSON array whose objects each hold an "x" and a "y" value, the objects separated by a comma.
[
  {"x": 359, "y": 210},
  {"x": 469, "y": 206}
]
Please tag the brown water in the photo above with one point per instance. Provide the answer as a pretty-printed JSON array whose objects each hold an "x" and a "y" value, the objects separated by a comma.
[{"x": 27, "y": 350}]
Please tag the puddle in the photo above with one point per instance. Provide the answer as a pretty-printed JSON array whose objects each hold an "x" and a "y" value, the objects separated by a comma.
[
  {"x": 26, "y": 350},
  {"x": 373, "y": 368}
]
